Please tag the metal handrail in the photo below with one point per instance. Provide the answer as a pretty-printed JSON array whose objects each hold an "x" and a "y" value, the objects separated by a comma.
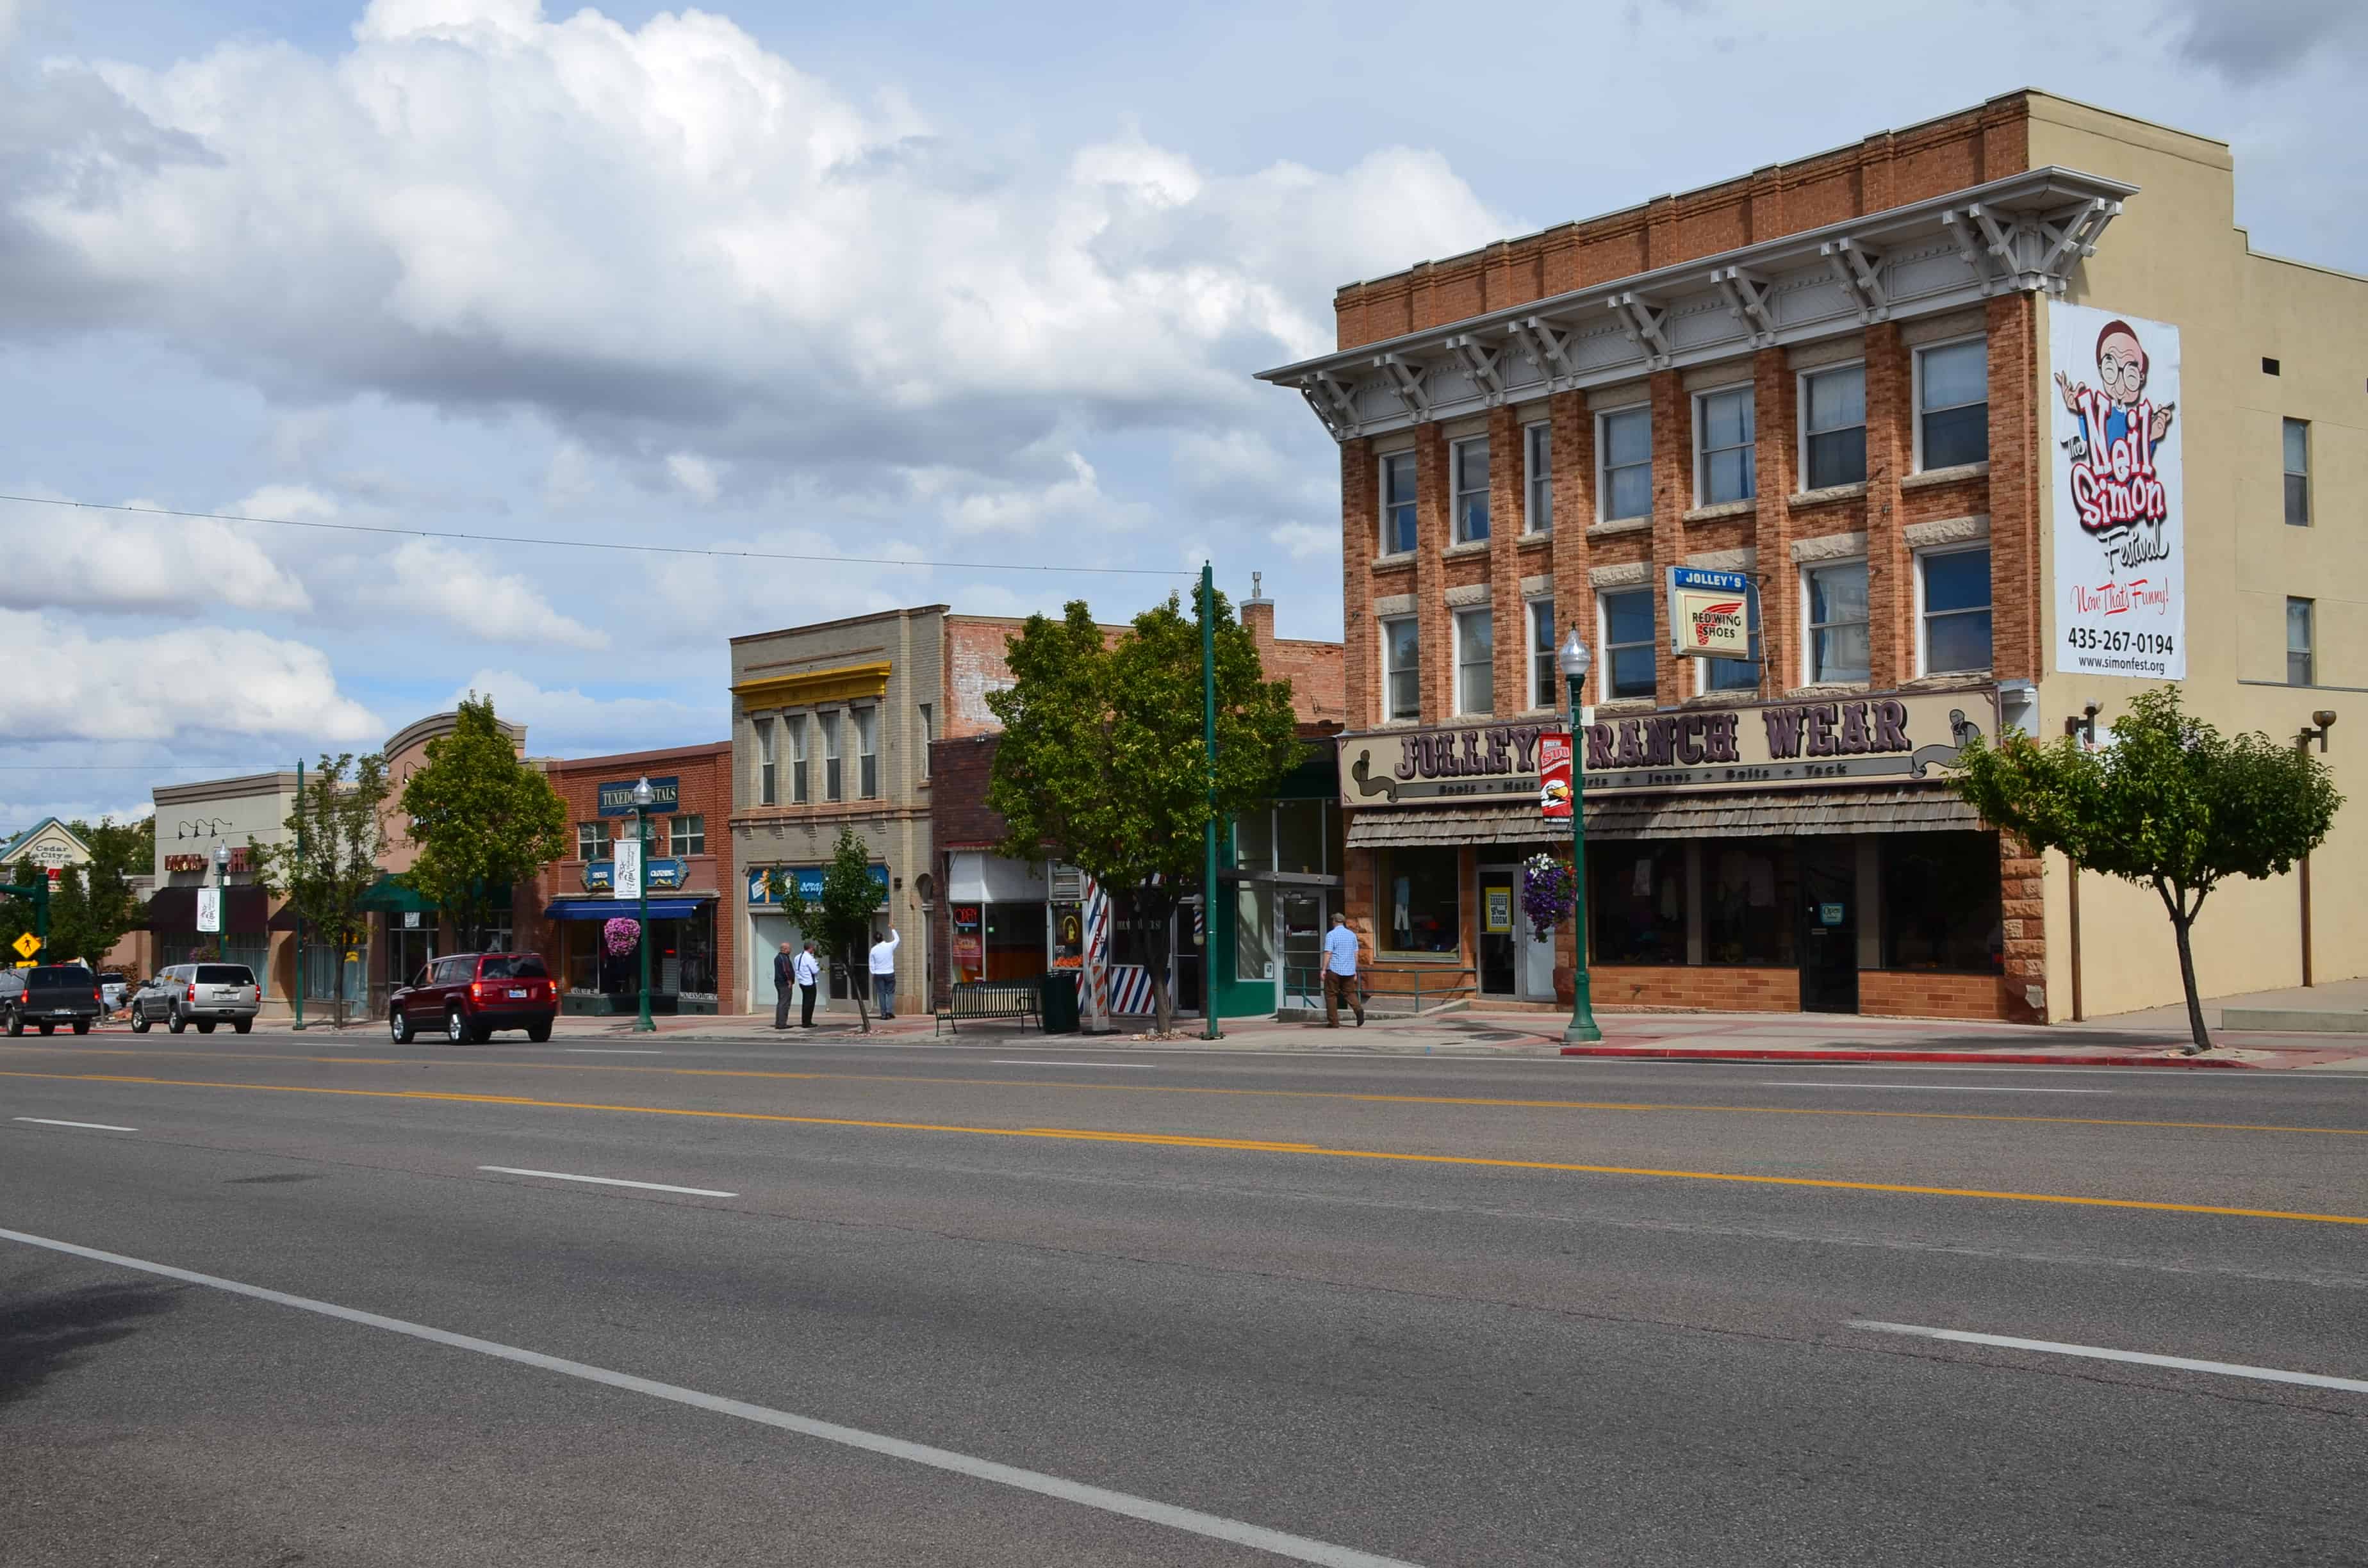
[{"x": 1303, "y": 984}]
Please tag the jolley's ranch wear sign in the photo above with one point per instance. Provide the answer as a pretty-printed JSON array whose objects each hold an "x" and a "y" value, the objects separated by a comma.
[{"x": 1905, "y": 735}]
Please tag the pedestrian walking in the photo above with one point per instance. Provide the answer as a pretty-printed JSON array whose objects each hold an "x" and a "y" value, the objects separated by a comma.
[
  {"x": 1340, "y": 973},
  {"x": 883, "y": 973},
  {"x": 784, "y": 970},
  {"x": 808, "y": 974}
]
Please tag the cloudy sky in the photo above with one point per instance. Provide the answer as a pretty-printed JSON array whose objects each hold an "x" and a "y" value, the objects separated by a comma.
[{"x": 967, "y": 284}]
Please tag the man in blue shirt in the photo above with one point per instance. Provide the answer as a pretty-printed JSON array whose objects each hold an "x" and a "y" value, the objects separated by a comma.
[{"x": 1340, "y": 973}]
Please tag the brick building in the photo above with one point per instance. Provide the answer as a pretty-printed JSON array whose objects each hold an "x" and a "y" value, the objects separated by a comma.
[
  {"x": 1966, "y": 425},
  {"x": 694, "y": 956}
]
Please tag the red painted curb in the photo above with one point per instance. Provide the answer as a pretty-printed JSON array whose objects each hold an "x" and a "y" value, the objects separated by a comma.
[{"x": 2008, "y": 1058}]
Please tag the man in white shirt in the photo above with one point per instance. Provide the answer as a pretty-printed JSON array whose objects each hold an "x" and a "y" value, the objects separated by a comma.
[
  {"x": 883, "y": 973},
  {"x": 807, "y": 970},
  {"x": 1340, "y": 973}
]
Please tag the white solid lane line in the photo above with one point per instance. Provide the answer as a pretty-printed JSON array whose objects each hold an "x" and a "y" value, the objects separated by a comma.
[
  {"x": 1212, "y": 1525},
  {"x": 94, "y": 1126},
  {"x": 1929, "y": 1088},
  {"x": 609, "y": 1181},
  {"x": 2144, "y": 1358},
  {"x": 1016, "y": 1062},
  {"x": 608, "y": 1050}
]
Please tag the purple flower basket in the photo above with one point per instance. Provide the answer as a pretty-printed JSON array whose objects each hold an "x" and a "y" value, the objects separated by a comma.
[
  {"x": 621, "y": 935},
  {"x": 1549, "y": 894}
]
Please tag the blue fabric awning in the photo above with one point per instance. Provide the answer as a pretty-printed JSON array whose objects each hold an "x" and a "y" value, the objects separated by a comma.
[{"x": 610, "y": 908}]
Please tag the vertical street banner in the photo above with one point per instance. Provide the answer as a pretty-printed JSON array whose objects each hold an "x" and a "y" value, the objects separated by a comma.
[
  {"x": 1554, "y": 777},
  {"x": 2118, "y": 550},
  {"x": 628, "y": 882},
  {"x": 210, "y": 910}
]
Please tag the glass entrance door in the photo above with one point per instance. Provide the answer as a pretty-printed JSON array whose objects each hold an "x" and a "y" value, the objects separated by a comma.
[
  {"x": 1304, "y": 916},
  {"x": 1829, "y": 927},
  {"x": 1500, "y": 934}
]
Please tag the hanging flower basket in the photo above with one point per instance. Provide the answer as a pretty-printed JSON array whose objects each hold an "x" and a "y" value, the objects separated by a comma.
[
  {"x": 1549, "y": 894},
  {"x": 621, "y": 935}
]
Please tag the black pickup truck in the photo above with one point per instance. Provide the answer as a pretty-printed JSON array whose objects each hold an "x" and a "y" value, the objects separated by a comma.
[{"x": 49, "y": 995}]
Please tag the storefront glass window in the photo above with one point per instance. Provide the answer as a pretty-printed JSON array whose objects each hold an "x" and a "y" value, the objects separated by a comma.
[
  {"x": 1421, "y": 901},
  {"x": 1254, "y": 932},
  {"x": 1750, "y": 896},
  {"x": 1941, "y": 903},
  {"x": 1015, "y": 942},
  {"x": 1254, "y": 840},
  {"x": 1637, "y": 904},
  {"x": 1302, "y": 836}
]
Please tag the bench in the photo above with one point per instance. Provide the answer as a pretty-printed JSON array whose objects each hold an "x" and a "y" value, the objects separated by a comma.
[{"x": 978, "y": 1000}]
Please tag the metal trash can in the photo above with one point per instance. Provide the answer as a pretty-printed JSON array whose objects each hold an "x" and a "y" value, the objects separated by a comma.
[{"x": 1060, "y": 1002}]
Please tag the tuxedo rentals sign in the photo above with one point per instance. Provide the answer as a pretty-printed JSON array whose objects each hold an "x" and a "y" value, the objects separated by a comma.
[{"x": 2121, "y": 512}]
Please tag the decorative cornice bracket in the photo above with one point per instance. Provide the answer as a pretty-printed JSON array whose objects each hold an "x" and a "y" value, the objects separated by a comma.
[
  {"x": 1746, "y": 299},
  {"x": 1644, "y": 320}
]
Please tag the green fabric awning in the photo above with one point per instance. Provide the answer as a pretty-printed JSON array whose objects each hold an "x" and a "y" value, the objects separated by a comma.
[{"x": 388, "y": 896}]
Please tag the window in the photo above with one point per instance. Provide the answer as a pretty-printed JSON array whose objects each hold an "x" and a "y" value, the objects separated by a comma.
[
  {"x": 1833, "y": 427},
  {"x": 2269, "y": 366},
  {"x": 1537, "y": 453},
  {"x": 1476, "y": 662},
  {"x": 687, "y": 835},
  {"x": 1956, "y": 611},
  {"x": 1624, "y": 438},
  {"x": 1737, "y": 675},
  {"x": 592, "y": 840},
  {"x": 1421, "y": 901},
  {"x": 1546, "y": 686},
  {"x": 1941, "y": 904},
  {"x": 1471, "y": 487},
  {"x": 1724, "y": 444},
  {"x": 928, "y": 734},
  {"x": 1838, "y": 641},
  {"x": 765, "y": 796},
  {"x": 1397, "y": 502},
  {"x": 1750, "y": 892},
  {"x": 513, "y": 966},
  {"x": 2298, "y": 643},
  {"x": 2298, "y": 472},
  {"x": 1636, "y": 901},
  {"x": 867, "y": 752},
  {"x": 799, "y": 792},
  {"x": 1401, "y": 669},
  {"x": 1627, "y": 643},
  {"x": 1952, "y": 403},
  {"x": 833, "y": 783}
]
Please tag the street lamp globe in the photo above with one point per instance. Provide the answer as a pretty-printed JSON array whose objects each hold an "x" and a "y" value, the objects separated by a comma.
[
  {"x": 1573, "y": 657},
  {"x": 222, "y": 854},
  {"x": 642, "y": 794}
]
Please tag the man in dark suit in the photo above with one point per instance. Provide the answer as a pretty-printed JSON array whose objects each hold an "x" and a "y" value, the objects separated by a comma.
[{"x": 782, "y": 966}]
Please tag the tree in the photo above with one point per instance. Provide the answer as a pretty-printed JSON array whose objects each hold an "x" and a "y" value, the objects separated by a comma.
[
  {"x": 91, "y": 905},
  {"x": 840, "y": 919},
  {"x": 335, "y": 839},
  {"x": 1102, "y": 765},
  {"x": 484, "y": 820},
  {"x": 2171, "y": 804}
]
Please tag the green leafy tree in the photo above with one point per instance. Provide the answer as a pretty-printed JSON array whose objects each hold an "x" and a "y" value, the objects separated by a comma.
[
  {"x": 338, "y": 816},
  {"x": 91, "y": 905},
  {"x": 2172, "y": 805},
  {"x": 484, "y": 820},
  {"x": 1102, "y": 765},
  {"x": 840, "y": 919}
]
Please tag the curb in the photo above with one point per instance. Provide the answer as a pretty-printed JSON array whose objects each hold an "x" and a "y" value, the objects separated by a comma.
[{"x": 2008, "y": 1059}]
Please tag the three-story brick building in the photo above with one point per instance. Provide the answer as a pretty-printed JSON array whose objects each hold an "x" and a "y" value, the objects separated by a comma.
[{"x": 1966, "y": 425}]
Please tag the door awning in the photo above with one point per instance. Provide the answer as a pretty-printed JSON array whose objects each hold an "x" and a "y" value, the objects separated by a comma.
[
  {"x": 1740, "y": 813},
  {"x": 611, "y": 908},
  {"x": 388, "y": 896},
  {"x": 245, "y": 910}
]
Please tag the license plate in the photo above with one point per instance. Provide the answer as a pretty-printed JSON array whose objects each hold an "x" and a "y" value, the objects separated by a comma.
[
  {"x": 517, "y": 991},
  {"x": 61, "y": 1012}
]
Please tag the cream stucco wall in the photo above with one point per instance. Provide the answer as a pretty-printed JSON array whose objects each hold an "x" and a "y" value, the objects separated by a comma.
[{"x": 2175, "y": 255}]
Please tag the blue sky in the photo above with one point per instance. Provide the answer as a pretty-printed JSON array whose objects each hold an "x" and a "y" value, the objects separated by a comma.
[{"x": 934, "y": 283}]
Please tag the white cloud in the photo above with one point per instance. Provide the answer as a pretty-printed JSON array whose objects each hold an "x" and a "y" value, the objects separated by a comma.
[
  {"x": 568, "y": 482},
  {"x": 68, "y": 685},
  {"x": 1075, "y": 501},
  {"x": 125, "y": 560},
  {"x": 461, "y": 589},
  {"x": 695, "y": 474},
  {"x": 1304, "y": 541},
  {"x": 565, "y": 719}
]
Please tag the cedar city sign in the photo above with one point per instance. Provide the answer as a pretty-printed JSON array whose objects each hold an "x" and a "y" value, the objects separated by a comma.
[{"x": 1901, "y": 735}]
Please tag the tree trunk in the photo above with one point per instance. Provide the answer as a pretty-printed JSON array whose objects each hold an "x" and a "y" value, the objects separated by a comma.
[
  {"x": 2181, "y": 923},
  {"x": 859, "y": 984}
]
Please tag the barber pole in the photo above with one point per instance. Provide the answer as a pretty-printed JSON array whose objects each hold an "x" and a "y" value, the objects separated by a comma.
[{"x": 1097, "y": 956}]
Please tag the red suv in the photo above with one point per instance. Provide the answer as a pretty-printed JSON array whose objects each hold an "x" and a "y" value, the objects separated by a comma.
[{"x": 470, "y": 995}]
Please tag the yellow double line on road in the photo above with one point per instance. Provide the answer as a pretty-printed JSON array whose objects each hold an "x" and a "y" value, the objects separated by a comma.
[
  {"x": 1183, "y": 1141},
  {"x": 1498, "y": 1101}
]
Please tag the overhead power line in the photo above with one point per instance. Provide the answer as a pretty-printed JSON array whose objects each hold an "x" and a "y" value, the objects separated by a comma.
[{"x": 599, "y": 544}]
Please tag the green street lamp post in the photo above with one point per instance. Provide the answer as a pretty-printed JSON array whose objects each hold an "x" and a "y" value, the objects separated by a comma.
[
  {"x": 221, "y": 898},
  {"x": 643, "y": 798},
  {"x": 1573, "y": 659}
]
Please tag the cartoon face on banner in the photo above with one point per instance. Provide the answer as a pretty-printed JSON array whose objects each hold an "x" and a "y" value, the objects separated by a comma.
[{"x": 2120, "y": 503}]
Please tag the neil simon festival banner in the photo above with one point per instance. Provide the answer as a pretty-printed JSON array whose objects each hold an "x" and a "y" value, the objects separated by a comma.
[{"x": 2121, "y": 504}]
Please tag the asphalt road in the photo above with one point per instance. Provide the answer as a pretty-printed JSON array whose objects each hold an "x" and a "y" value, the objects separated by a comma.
[{"x": 1015, "y": 1302}]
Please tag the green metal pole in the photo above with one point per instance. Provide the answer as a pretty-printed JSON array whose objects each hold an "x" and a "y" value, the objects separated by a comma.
[
  {"x": 642, "y": 886},
  {"x": 1208, "y": 830},
  {"x": 299, "y": 907},
  {"x": 222, "y": 909},
  {"x": 1583, "y": 1030}
]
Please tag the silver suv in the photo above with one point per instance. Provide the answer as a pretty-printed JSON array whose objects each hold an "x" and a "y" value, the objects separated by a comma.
[{"x": 200, "y": 993}]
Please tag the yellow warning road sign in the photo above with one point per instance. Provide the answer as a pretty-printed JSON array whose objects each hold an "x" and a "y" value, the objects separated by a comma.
[{"x": 27, "y": 945}]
